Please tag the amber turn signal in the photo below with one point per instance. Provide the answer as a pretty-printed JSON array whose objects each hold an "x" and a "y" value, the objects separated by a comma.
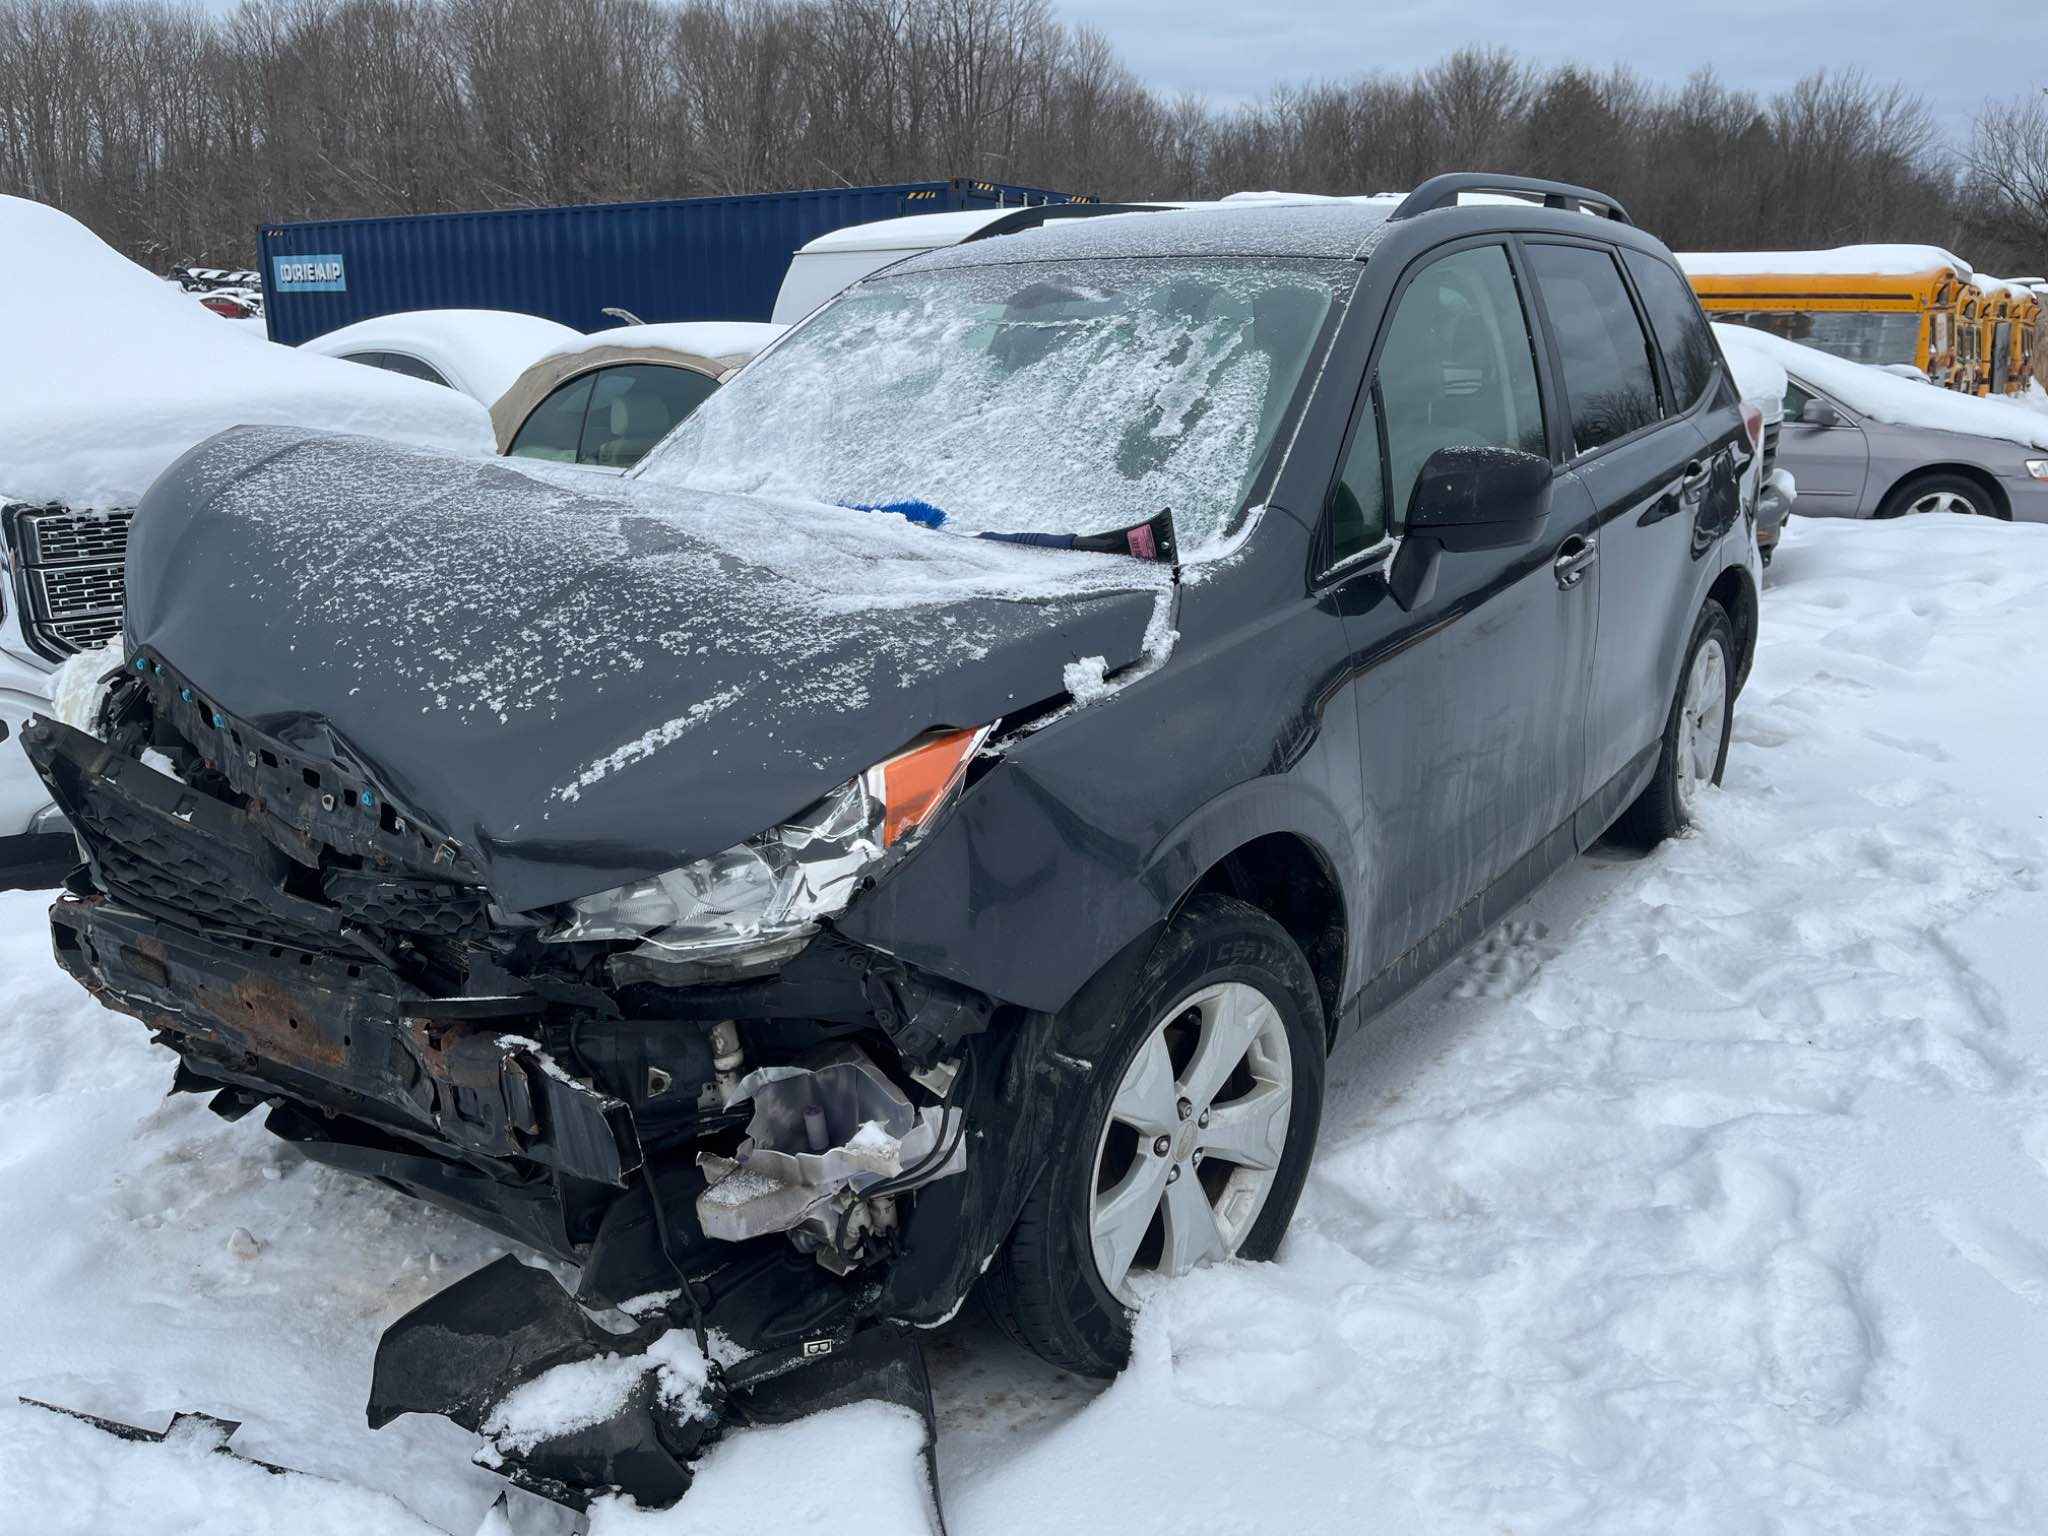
[{"x": 917, "y": 782}]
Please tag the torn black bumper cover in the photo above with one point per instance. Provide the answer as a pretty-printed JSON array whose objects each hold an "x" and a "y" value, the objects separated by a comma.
[
  {"x": 344, "y": 1032},
  {"x": 261, "y": 968}
]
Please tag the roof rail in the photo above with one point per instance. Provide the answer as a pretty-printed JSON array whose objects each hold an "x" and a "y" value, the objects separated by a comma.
[
  {"x": 1442, "y": 192},
  {"x": 1041, "y": 213}
]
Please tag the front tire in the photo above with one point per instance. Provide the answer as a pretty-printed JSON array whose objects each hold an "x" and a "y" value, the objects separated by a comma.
[
  {"x": 1192, "y": 1143},
  {"x": 1696, "y": 732},
  {"x": 1935, "y": 494}
]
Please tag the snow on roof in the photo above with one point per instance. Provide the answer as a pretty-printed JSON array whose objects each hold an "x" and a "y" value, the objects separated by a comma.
[
  {"x": 928, "y": 231},
  {"x": 701, "y": 338},
  {"x": 1842, "y": 261},
  {"x": 128, "y": 373},
  {"x": 1759, "y": 375},
  {"x": 1886, "y": 397},
  {"x": 913, "y": 232},
  {"x": 480, "y": 351},
  {"x": 2015, "y": 287}
]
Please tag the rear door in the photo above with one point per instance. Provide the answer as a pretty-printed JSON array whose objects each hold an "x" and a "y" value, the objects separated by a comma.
[{"x": 1636, "y": 446}]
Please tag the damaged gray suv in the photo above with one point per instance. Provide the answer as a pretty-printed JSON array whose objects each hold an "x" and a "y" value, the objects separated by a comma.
[{"x": 924, "y": 829}]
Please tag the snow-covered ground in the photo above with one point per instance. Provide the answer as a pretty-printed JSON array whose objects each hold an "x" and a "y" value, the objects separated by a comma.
[{"x": 1709, "y": 1195}]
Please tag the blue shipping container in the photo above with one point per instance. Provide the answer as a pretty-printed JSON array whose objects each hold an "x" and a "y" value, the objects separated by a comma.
[{"x": 691, "y": 258}]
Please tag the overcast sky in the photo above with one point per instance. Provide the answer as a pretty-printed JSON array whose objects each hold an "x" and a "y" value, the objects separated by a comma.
[{"x": 1954, "y": 54}]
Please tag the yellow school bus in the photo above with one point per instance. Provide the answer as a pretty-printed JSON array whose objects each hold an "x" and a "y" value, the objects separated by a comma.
[
  {"x": 2027, "y": 319},
  {"x": 1994, "y": 327},
  {"x": 1901, "y": 311}
]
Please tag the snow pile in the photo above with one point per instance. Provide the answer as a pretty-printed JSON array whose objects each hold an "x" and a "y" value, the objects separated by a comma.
[
  {"x": 109, "y": 386},
  {"x": 857, "y": 1470},
  {"x": 1884, "y": 396},
  {"x": 1841, "y": 261},
  {"x": 62, "y": 1477},
  {"x": 581, "y": 1393},
  {"x": 482, "y": 351},
  {"x": 699, "y": 338}
]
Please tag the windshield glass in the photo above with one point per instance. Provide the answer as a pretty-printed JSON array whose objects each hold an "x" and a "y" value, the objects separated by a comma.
[
  {"x": 1862, "y": 336},
  {"x": 1035, "y": 398}
]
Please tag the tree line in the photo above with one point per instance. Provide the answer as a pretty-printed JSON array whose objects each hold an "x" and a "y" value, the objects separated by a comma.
[{"x": 174, "y": 131}]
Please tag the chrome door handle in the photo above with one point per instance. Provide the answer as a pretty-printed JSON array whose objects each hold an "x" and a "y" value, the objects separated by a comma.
[{"x": 1575, "y": 556}]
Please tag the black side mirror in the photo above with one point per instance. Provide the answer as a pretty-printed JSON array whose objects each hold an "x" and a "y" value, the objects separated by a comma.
[
  {"x": 1468, "y": 498},
  {"x": 1819, "y": 413}
]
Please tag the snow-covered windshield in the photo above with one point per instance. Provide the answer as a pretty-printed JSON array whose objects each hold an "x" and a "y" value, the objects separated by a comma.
[{"x": 1032, "y": 398}]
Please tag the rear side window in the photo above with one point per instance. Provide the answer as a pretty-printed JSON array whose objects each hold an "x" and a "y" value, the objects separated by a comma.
[
  {"x": 634, "y": 406},
  {"x": 1457, "y": 369},
  {"x": 554, "y": 427},
  {"x": 367, "y": 359},
  {"x": 1681, "y": 329},
  {"x": 414, "y": 368},
  {"x": 1608, "y": 376}
]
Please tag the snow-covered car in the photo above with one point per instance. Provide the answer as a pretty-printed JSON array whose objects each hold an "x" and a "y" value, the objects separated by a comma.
[
  {"x": 1861, "y": 441},
  {"x": 481, "y": 352},
  {"x": 1762, "y": 384},
  {"x": 923, "y": 830},
  {"x": 103, "y": 393},
  {"x": 601, "y": 401}
]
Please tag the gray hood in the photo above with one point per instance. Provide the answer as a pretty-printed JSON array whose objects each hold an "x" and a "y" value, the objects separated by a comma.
[{"x": 589, "y": 685}]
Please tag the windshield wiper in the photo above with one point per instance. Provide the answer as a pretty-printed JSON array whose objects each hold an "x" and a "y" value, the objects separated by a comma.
[{"x": 1154, "y": 539}]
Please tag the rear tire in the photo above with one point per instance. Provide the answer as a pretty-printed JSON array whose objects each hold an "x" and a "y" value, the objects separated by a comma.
[
  {"x": 1046, "y": 1287},
  {"x": 1696, "y": 732},
  {"x": 1954, "y": 494}
]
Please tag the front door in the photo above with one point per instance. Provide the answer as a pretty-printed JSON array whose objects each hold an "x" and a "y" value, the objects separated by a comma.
[
  {"x": 1829, "y": 461},
  {"x": 1471, "y": 708}
]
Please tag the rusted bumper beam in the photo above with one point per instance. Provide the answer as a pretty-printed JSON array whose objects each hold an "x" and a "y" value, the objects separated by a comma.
[{"x": 345, "y": 1036}]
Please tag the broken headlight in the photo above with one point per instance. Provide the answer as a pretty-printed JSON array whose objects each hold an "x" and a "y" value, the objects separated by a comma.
[{"x": 763, "y": 898}]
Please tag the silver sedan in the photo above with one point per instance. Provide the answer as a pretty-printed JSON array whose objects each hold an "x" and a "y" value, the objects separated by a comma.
[{"x": 1851, "y": 465}]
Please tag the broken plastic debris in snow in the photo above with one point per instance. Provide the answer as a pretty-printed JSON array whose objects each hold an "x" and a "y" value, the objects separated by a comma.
[{"x": 581, "y": 1393}]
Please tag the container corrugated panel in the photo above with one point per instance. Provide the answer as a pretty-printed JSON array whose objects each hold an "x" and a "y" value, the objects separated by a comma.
[{"x": 697, "y": 258}]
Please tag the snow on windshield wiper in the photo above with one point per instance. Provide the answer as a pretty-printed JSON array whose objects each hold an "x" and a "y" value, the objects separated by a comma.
[{"x": 1152, "y": 539}]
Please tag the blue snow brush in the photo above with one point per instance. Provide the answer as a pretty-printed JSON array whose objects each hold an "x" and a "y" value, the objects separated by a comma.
[{"x": 922, "y": 513}]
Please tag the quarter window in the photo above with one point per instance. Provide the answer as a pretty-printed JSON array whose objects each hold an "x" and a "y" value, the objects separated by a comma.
[
  {"x": 1458, "y": 369},
  {"x": 1358, "y": 503},
  {"x": 554, "y": 427},
  {"x": 1608, "y": 377},
  {"x": 1690, "y": 358}
]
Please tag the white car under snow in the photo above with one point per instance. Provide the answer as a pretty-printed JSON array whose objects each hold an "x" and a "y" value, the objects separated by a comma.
[{"x": 103, "y": 394}]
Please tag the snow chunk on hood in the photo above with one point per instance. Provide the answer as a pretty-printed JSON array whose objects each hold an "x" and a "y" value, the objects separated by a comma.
[
  {"x": 130, "y": 373},
  {"x": 1884, "y": 396}
]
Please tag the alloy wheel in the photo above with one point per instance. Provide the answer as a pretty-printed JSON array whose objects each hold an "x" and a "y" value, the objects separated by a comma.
[
  {"x": 1942, "y": 501},
  {"x": 1193, "y": 1140},
  {"x": 1702, "y": 717}
]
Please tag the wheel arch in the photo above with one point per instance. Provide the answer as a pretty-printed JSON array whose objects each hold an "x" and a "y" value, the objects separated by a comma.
[
  {"x": 1293, "y": 880},
  {"x": 1735, "y": 591}
]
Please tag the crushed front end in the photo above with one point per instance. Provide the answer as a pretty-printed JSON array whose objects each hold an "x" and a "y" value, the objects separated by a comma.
[{"x": 798, "y": 1148}]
